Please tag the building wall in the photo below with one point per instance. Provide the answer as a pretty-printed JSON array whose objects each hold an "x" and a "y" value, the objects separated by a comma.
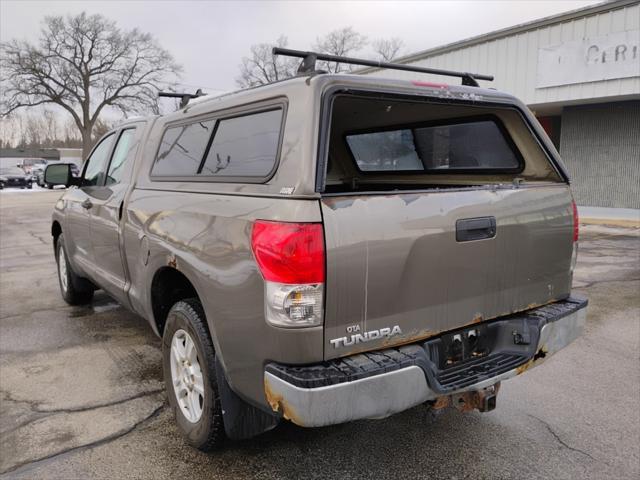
[
  {"x": 513, "y": 59},
  {"x": 600, "y": 144},
  {"x": 71, "y": 155}
]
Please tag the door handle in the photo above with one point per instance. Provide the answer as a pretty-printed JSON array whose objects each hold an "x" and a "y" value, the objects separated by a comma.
[
  {"x": 479, "y": 228},
  {"x": 87, "y": 204}
]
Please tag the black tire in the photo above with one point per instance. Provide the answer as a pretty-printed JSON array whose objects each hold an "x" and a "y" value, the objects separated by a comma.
[
  {"x": 49, "y": 186},
  {"x": 30, "y": 186},
  {"x": 75, "y": 290},
  {"x": 207, "y": 433}
]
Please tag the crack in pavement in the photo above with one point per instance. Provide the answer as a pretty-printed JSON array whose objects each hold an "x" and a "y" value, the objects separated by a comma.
[
  {"x": 34, "y": 407},
  {"x": 96, "y": 443},
  {"x": 38, "y": 237},
  {"x": 40, "y": 310},
  {"x": 559, "y": 440},
  {"x": 73, "y": 310}
]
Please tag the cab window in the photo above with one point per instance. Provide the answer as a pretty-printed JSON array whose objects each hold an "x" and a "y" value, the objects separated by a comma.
[
  {"x": 97, "y": 163},
  {"x": 123, "y": 154}
]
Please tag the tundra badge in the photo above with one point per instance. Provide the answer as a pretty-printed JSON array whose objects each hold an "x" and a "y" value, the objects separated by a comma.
[{"x": 366, "y": 336}]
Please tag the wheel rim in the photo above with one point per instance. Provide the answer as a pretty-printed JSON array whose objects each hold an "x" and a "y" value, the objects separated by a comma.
[
  {"x": 62, "y": 269},
  {"x": 186, "y": 376}
]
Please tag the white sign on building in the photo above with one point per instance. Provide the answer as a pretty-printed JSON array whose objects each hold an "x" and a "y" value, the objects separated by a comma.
[{"x": 616, "y": 55}]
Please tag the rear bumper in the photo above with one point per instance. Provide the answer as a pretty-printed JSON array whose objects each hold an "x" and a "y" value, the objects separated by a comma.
[{"x": 379, "y": 384}]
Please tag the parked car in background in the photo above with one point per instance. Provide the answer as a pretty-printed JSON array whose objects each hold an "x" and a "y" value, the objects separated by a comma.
[
  {"x": 28, "y": 164},
  {"x": 14, "y": 177},
  {"x": 40, "y": 180},
  {"x": 37, "y": 169}
]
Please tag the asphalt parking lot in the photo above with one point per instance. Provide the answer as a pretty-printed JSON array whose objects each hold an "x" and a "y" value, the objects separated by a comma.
[{"x": 82, "y": 393}]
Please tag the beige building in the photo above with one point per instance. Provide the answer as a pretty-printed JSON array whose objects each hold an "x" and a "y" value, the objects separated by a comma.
[{"x": 579, "y": 72}]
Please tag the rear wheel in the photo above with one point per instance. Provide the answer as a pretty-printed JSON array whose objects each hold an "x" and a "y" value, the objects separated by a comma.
[
  {"x": 190, "y": 375},
  {"x": 49, "y": 186},
  {"x": 75, "y": 289}
]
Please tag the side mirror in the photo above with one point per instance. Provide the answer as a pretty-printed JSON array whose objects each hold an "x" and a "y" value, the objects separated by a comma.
[{"x": 58, "y": 174}]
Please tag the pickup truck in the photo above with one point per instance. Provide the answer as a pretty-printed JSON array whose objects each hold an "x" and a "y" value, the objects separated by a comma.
[{"x": 329, "y": 248}]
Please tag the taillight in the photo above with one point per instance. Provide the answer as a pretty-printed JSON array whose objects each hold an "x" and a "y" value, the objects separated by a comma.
[
  {"x": 289, "y": 252},
  {"x": 291, "y": 259},
  {"x": 576, "y": 222}
]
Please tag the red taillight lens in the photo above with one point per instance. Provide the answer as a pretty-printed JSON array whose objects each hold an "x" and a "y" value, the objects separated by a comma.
[
  {"x": 291, "y": 253},
  {"x": 576, "y": 222}
]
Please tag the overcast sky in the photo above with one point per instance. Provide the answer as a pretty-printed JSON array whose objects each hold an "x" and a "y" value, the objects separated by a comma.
[{"x": 209, "y": 38}]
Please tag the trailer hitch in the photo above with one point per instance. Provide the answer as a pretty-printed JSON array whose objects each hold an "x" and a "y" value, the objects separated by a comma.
[{"x": 483, "y": 400}]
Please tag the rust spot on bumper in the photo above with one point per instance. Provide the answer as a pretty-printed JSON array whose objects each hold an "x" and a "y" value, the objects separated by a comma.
[
  {"x": 537, "y": 359},
  {"x": 279, "y": 404},
  {"x": 482, "y": 400}
]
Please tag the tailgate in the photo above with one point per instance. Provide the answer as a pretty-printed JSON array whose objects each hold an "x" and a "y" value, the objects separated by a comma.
[{"x": 406, "y": 266}]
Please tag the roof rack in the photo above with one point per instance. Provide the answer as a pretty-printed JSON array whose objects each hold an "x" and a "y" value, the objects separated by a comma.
[
  {"x": 309, "y": 60},
  {"x": 184, "y": 97}
]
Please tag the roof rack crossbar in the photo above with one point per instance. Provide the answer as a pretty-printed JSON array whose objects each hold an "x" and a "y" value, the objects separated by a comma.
[
  {"x": 310, "y": 58},
  {"x": 184, "y": 97}
]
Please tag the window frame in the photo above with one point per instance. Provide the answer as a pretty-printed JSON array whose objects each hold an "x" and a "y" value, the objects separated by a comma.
[
  {"x": 119, "y": 134},
  {"x": 219, "y": 116},
  {"x": 444, "y": 171},
  {"x": 107, "y": 163}
]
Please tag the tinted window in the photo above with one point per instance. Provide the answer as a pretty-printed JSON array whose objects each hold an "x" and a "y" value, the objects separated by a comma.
[
  {"x": 97, "y": 163},
  {"x": 392, "y": 150},
  {"x": 182, "y": 149},
  {"x": 123, "y": 153},
  {"x": 479, "y": 145},
  {"x": 245, "y": 146}
]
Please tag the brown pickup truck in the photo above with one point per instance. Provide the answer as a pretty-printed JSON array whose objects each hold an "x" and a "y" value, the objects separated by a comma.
[{"x": 329, "y": 248}]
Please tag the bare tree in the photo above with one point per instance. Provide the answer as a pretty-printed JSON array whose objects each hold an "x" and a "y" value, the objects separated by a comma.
[
  {"x": 43, "y": 129},
  {"x": 84, "y": 64},
  {"x": 100, "y": 128},
  {"x": 33, "y": 130},
  {"x": 50, "y": 126},
  {"x": 387, "y": 49},
  {"x": 262, "y": 67},
  {"x": 343, "y": 42},
  {"x": 69, "y": 136}
]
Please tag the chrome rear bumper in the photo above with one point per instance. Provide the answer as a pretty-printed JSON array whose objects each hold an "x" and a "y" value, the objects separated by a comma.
[{"x": 387, "y": 392}]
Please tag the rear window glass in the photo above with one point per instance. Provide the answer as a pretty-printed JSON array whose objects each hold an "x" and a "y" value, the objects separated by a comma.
[
  {"x": 245, "y": 146},
  {"x": 473, "y": 145},
  {"x": 182, "y": 149}
]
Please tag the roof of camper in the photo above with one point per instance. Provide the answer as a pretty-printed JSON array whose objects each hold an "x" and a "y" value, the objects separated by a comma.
[{"x": 309, "y": 84}]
